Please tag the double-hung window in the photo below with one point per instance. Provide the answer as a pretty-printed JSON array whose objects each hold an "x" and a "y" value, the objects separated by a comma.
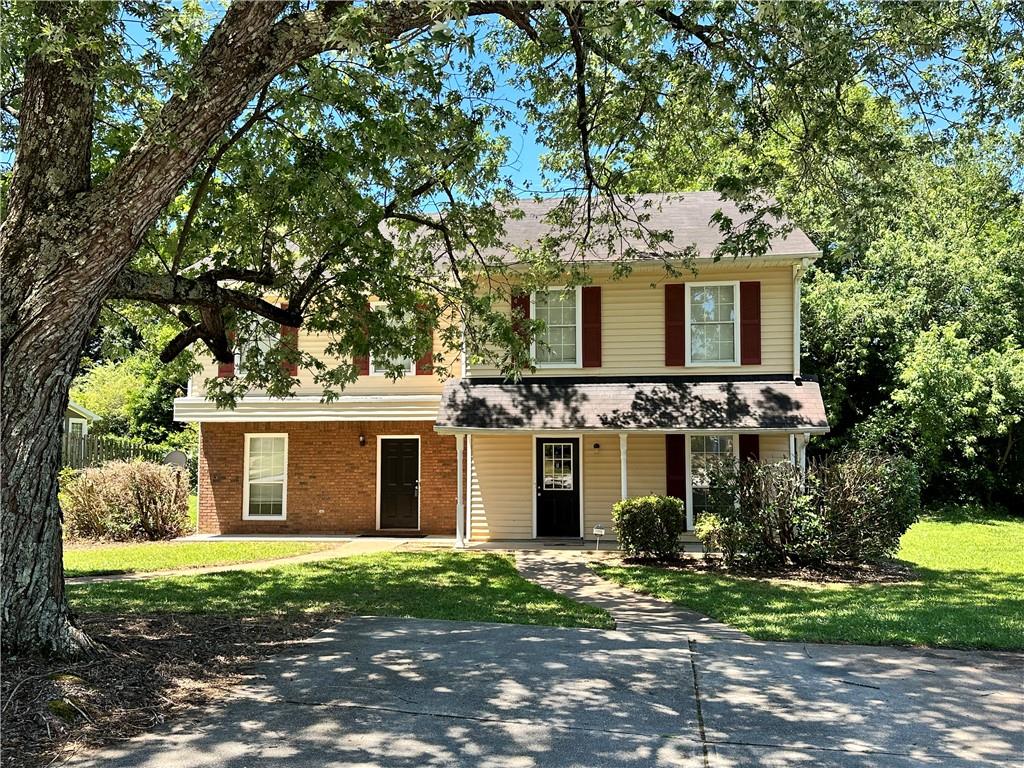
[
  {"x": 712, "y": 323},
  {"x": 263, "y": 342},
  {"x": 705, "y": 451},
  {"x": 558, "y": 344},
  {"x": 265, "y": 490},
  {"x": 381, "y": 365}
]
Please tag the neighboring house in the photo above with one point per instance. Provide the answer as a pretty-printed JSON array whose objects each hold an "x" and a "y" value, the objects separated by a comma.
[
  {"x": 643, "y": 379},
  {"x": 78, "y": 419}
]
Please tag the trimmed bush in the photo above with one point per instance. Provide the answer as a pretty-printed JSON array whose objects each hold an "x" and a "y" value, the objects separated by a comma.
[
  {"x": 649, "y": 526},
  {"x": 850, "y": 509},
  {"x": 125, "y": 501}
]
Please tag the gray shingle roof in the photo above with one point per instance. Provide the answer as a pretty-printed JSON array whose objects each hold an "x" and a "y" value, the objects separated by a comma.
[
  {"x": 674, "y": 403},
  {"x": 686, "y": 215}
]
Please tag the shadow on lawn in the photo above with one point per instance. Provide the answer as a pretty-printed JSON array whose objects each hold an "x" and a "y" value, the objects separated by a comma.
[
  {"x": 441, "y": 585},
  {"x": 954, "y": 609}
]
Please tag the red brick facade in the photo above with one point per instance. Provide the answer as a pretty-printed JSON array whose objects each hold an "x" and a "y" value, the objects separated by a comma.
[{"x": 332, "y": 480}]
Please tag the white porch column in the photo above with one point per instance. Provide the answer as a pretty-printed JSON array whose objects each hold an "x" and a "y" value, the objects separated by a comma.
[
  {"x": 623, "y": 463},
  {"x": 460, "y": 518}
]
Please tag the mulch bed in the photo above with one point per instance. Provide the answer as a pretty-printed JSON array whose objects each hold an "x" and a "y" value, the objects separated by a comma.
[
  {"x": 885, "y": 572},
  {"x": 154, "y": 668}
]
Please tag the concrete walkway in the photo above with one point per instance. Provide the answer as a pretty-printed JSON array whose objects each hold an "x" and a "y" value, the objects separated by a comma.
[
  {"x": 665, "y": 688},
  {"x": 346, "y": 548}
]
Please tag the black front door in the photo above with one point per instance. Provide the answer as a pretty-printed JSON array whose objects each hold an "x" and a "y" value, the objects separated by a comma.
[
  {"x": 558, "y": 486},
  {"x": 399, "y": 482}
]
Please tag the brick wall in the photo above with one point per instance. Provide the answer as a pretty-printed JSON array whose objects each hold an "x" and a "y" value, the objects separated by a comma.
[{"x": 331, "y": 479}]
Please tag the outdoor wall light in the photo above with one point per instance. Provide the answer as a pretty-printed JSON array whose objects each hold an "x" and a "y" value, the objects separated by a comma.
[
  {"x": 362, "y": 440},
  {"x": 597, "y": 446}
]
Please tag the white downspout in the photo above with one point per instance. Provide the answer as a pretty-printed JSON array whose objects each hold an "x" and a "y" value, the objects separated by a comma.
[
  {"x": 798, "y": 273},
  {"x": 460, "y": 518},
  {"x": 623, "y": 463},
  {"x": 468, "y": 504}
]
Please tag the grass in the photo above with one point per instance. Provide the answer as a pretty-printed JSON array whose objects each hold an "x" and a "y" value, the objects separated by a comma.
[
  {"x": 428, "y": 585},
  {"x": 94, "y": 560},
  {"x": 969, "y": 592},
  {"x": 193, "y": 511}
]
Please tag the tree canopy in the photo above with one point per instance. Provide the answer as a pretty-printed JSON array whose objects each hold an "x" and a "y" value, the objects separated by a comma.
[{"x": 276, "y": 163}]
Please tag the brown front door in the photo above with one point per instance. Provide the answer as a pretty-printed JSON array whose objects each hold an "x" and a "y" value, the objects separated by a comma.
[{"x": 399, "y": 483}]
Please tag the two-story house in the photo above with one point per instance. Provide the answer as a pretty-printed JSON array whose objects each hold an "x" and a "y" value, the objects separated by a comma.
[{"x": 638, "y": 382}]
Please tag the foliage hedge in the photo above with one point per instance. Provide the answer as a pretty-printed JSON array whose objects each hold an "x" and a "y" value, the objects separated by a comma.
[
  {"x": 126, "y": 501},
  {"x": 853, "y": 508},
  {"x": 649, "y": 526}
]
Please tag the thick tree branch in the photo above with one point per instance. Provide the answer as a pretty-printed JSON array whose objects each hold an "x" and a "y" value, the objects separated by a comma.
[
  {"x": 199, "y": 194},
  {"x": 174, "y": 290}
]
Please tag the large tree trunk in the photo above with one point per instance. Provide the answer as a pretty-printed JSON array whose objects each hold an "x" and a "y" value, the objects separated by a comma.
[
  {"x": 62, "y": 246},
  {"x": 46, "y": 316}
]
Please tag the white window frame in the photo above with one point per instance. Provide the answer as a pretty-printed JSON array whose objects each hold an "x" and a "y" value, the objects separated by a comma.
[
  {"x": 83, "y": 422},
  {"x": 689, "y": 467},
  {"x": 245, "y": 478},
  {"x": 409, "y": 369},
  {"x": 578, "y": 363},
  {"x": 735, "y": 331},
  {"x": 240, "y": 353}
]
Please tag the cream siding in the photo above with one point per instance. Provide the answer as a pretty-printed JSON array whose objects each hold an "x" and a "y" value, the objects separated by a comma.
[
  {"x": 633, "y": 324},
  {"x": 600, "y": 481},
  {"x": 774, "y": 448},
  {"x": 502, "y": 487},
  {"x": 316, "y": 344},
  {"x": 646, "y": 464}
]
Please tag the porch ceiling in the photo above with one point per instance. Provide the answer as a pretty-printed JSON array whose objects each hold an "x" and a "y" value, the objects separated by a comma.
[{"x": 668, "y": 404}]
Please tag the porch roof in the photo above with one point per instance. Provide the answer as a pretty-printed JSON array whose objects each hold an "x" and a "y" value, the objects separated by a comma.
[{"x": 665, "y": 404}]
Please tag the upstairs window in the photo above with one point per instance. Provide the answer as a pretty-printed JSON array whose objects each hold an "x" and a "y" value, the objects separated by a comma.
[
  {"x": 246, "y": 355},
  {"x": 265, "y": 491},
  {"x": 381, "y": 365},
  {"x": 558, "y": 344},
  {"x": 712, "y": 324}
]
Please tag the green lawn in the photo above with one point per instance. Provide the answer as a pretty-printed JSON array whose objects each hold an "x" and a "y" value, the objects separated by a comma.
[
  {"x": 193, "y": 511},
  {"x": 430, "y": 585},
  {"x": 969, "y": 592},
  {"x": 92, "y": 560}
]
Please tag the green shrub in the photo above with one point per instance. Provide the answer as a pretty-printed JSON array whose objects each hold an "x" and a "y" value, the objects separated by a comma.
[
  {"x": 649, "y": 526},
  {"x": 125, "y": 501},
  {"x": 850, "y": 509}
]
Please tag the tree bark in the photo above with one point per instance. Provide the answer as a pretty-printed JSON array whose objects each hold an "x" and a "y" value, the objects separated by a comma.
[
  {"x": 63, "y": 247},
  {"x": 45, "y": 320}
]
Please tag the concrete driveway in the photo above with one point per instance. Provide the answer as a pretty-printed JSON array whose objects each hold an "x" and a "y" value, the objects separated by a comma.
[{"x": 665, "y": 688}]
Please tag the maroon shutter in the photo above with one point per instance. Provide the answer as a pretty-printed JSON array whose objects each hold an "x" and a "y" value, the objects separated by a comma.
[
  {"x": 750, "y": 323},
  {"x": 425, "y": 365},
  {"x": 520, "y": 311},
  {"x": 591, "y": 326},
  {"x": 362, "y": 362},
  {"x": 675, "y": 466},
  {"x": 227, "y": 370},
  {"x": 675, "y": 324},
  {"x": 290, "y": 337},
  {"x": 750, "y": 447}
]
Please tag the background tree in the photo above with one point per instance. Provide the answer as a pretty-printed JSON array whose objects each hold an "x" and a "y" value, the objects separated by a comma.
[{"x": 240, "y": 172}]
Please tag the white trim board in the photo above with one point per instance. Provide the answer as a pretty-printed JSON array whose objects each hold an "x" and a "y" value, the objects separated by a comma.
[
  {"x": 412, "y": 407},
  {"x": 419, "y": 478}
]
